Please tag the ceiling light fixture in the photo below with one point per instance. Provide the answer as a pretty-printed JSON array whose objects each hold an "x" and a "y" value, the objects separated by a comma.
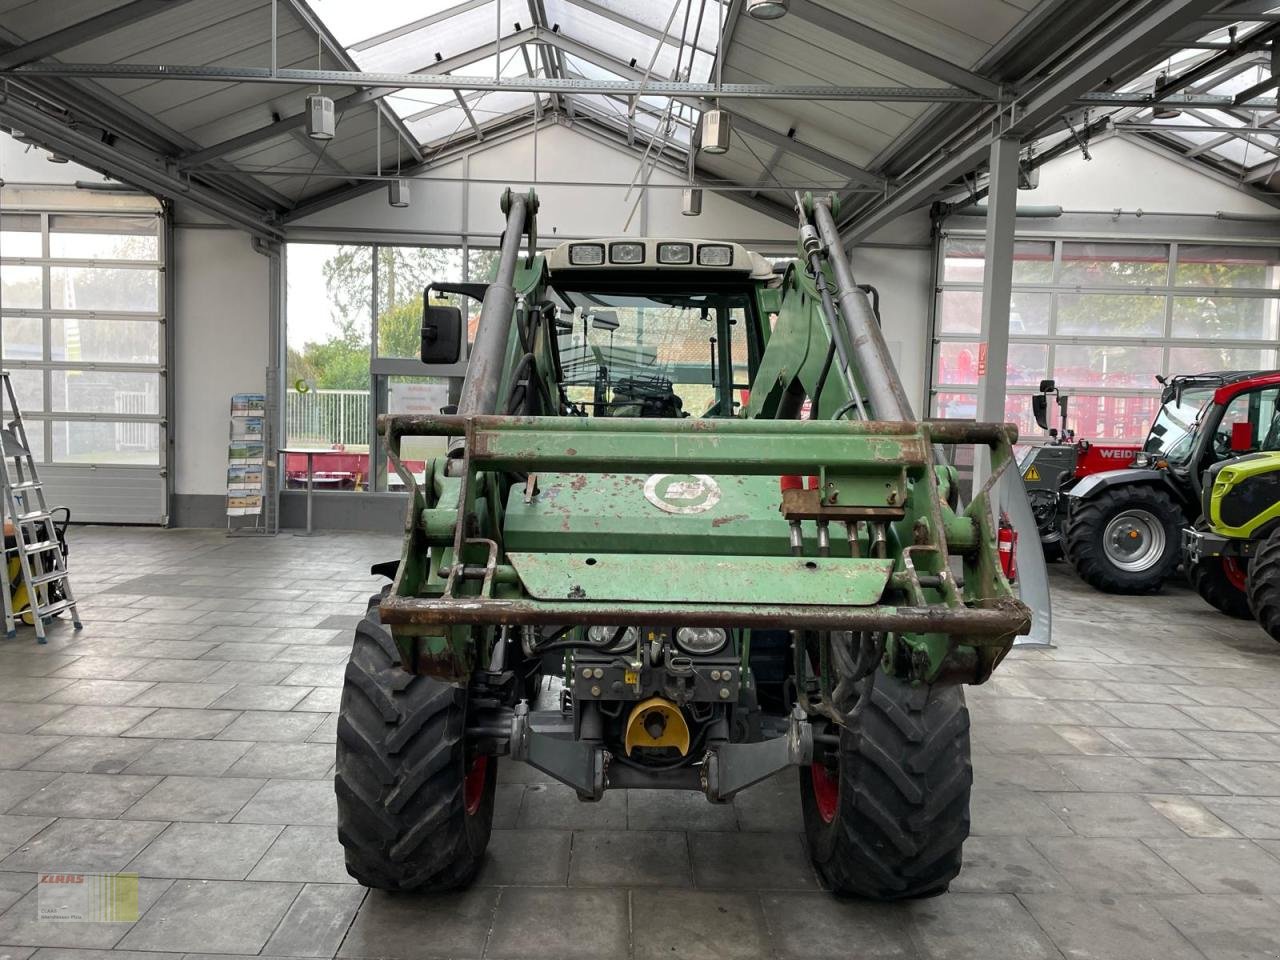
[
  {"x": 1164, "y": 111},
  {"x": 320, "y": 117},
  {"x": 398, "y": 193},
  {"x": 691, "y": 201},
  {"x": 713, "y": 129},
  {"x": 766, "y": 9}
]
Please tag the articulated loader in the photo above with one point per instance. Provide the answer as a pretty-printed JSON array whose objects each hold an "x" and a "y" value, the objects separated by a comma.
[{"x": 690, "y": 485}]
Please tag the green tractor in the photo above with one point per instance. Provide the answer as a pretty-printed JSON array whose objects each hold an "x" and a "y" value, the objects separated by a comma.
[
  {"x": 633, "y": 503},
  {"x": 1240, "y": 530}
]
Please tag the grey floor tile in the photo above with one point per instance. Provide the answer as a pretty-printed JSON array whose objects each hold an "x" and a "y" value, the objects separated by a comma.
[
  {"x": 86, "y": 795},
  {"x": 320, "y": 700},
  {"x": 772, "y": 805},
  {"x": 1192, "y": 817},
  {"x": 1242, "y": 778},
  {"x": 19, "y": 749},
  {"x": 758, "y": 861},
  {"x": 988, "y": 925},
  {"x": 16, "y": 830},
  {"x": 1006, "y": 865},
  {"x": 1225, "y": 927},
  {"x": 630, "y": 858},
  {"x": 174, "y": 694},
  {"x": 30, "y": 689},
  {"x": 177, "y": 724},
  {"x": 677, "y": 810},
  {"x": 244, "y": 651},
  {"x": 1230, "y": 719},
  {"x": 291, "y": 761},
  {"x": 13, "y": 886},
  {"x": 292, "y": 801},
  {"x": 1136, "y": 774},
  {"x": 1171, "y": 744},
  {"x": 83, "y": 846},
  {"x": 91, "y": 755},
  {"x": 1110, "y": 815},
  {"x": 245, "y": 696},
  {"x": 555, "y": 806},
  {"x": 1222, "y": 866},
  {"x": 25, "y": 717},
  {"x": 95, "y": 721},
  {"x": 254, "y": 673},
  {"x": 307, "y": 854},
  {"x": 212, "y": 916},
  {"x": 589, "y": 924},
  {"x": 187, "y": 757},
  {"x": 317, "y": 922},
  {"x": 174, "y": 671},
  {"x": 1237, "y": 746},
  {"x": 1014, "y": 813},
  {"x": 411, "y": 927},
  {"x": 507, "y": 800},
  {"x": 1256, "y": 818},
  {"x": 317, "y": 675},
  {"x": 261, "y": 726},
  {"x": 17, "y": 785},
  {"x": 992, "y": 772},
  {"x": 803, "y": 926},
  {"x": 104, "y": 693},
  {"x": 195, "y": 799},
  {"x": 697, "y": 925},
  {"x": 1124, "y": 928},
  {"x": 206, "y": 851},
  {"x": 527, "y": 857},
  {"x": 1111, "y": 866}
]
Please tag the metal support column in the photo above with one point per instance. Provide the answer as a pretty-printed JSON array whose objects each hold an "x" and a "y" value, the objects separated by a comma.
[{"x": 997, "y": 288}]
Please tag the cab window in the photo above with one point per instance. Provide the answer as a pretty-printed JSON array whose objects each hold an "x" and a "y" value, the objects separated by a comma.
[{"x": 1252, "y": 417}]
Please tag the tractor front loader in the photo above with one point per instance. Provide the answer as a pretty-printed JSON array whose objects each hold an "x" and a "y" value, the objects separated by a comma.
[{"x": 691, "y": 487}]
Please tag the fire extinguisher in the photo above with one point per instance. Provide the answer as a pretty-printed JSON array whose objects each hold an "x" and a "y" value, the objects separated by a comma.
[{"x": 1007, "y": 546}]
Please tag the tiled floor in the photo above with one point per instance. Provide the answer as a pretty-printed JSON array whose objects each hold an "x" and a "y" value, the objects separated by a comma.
[{"x": 1127, "y": 802}]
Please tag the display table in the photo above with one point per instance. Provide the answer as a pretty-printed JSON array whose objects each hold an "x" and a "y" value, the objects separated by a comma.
[{"x": 310, "y": 453}]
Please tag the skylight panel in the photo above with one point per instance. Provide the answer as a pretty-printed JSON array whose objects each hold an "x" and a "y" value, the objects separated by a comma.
[
  {"x": 352, "y": 21},
  {"x": 444, "y": 38}
]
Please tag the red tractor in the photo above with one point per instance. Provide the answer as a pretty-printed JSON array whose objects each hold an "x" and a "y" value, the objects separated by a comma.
[{"x": 1048, "y": 471}]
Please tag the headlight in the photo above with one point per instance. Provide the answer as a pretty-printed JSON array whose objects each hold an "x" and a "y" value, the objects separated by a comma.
[
  {"x": 626, "y": 253},
  {"x": 715, "y": 255},
  {"x": 700, "y": 640},
  {"x": 602, "y": 635},
  {"x": 586, "y": 254}
]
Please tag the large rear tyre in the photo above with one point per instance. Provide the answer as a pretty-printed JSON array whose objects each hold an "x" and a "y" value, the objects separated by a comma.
[
  {"x": 1264, "y": 585},
  {"x": 414, "y": 807},
  {"x": 1125, "y": 540},
  {"x": 1222, "y": 582},
  {"x": 887, "y": 812}
]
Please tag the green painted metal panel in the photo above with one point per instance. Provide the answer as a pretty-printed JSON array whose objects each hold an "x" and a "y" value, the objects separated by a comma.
[{"x": 838, "y": 581}]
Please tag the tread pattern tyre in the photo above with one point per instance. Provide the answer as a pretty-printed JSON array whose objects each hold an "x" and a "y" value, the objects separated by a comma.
[
  {"x": 1264, "y": 585},
  {"x": 401, "y": 781},
  {"x": 901, "y": 807},
  {"x": 1086, "y": 529},
  {"x": 1210, "y": 580}
]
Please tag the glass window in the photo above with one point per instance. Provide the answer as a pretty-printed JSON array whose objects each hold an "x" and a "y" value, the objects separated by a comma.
[
  {"x": 21, "y": 287},
  {"x": 1203, "y": 359},
  {"x": 28, "y": 389},
  {"x": 964, "y": 259},
  {"x": 1225, "y": 318},
  {"x": 104, "y": 238},
  {"x": 329, "y": 322},
  {"x": 20, "y": 235},
  {"x": 957, "y": 363},
  {"x": 1103, "y": 264},
  {"x": 1223, "y": 265},
  {"x": 416, "y": 395},
  {"x": 105, "y": 288},
  {"x": 482, "y": 264},
  {"x": 1111, "y": 417},
  {"x": 76, "y": 441},
  {"x": 105, "y": 391},
  {"x": 22, "y": 338},
  {"x": 1077, "y": 365},
  {"x": 961, "y": 312},
  {"x": 1110, "y": 315},
  {"x": 94, "y": 340},
  {"x": 1257, "y": 408},
  {"x": 403, "y": 274}
]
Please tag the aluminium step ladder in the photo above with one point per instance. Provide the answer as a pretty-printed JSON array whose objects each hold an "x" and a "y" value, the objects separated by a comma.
[{"x": 35, "y": 541}]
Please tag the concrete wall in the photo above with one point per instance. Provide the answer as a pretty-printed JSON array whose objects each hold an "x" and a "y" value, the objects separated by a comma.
[{"x": 219, "y": 328}]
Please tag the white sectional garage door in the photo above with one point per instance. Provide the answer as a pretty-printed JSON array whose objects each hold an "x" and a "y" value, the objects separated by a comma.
[{"x": 82, "y": 332}]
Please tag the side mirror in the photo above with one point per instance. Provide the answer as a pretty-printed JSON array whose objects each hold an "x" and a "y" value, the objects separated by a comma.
[
  {"x": 441, "y": 332},
  {"x": 1241, "y": 437},
  {"x": 605, "y": 320},
  {"x": 1047, "y": 386},
  {"x": 1040, "y": 408}
]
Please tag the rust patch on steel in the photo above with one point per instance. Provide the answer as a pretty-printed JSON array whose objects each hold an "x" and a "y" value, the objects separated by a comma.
[{"x": 721, "y": 521}]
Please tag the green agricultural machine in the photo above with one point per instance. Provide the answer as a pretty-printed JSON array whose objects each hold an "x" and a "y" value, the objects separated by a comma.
[
  {"x": 689, "y": 484},
  {"x": 1240, "y": 530}
]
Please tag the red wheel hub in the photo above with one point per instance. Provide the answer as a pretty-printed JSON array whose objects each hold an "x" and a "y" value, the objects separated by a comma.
[
  {"x": 473, "y": 785},
  {"x": 1235, "y": 572},
  {"x": 826, "y": 791}
]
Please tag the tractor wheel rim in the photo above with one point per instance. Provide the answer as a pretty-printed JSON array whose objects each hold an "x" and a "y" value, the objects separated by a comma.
[
  {"x": 826, "y": 791},
  {"x": 1134, "y": 540},
  {"x": 1235, "y": 573},
  {"x": 473, "y": 784}
]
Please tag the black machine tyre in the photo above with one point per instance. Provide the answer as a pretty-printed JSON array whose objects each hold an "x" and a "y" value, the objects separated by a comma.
[
  {"x": 890, "y": 822},
  {"x": 1213, "y": 582},
  {"x": 1052, "y": 549},
  {"x": 1090, "y": 521},
  {"x": 414, "y": 808},
  {"x": 1264, "y": 585}
]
